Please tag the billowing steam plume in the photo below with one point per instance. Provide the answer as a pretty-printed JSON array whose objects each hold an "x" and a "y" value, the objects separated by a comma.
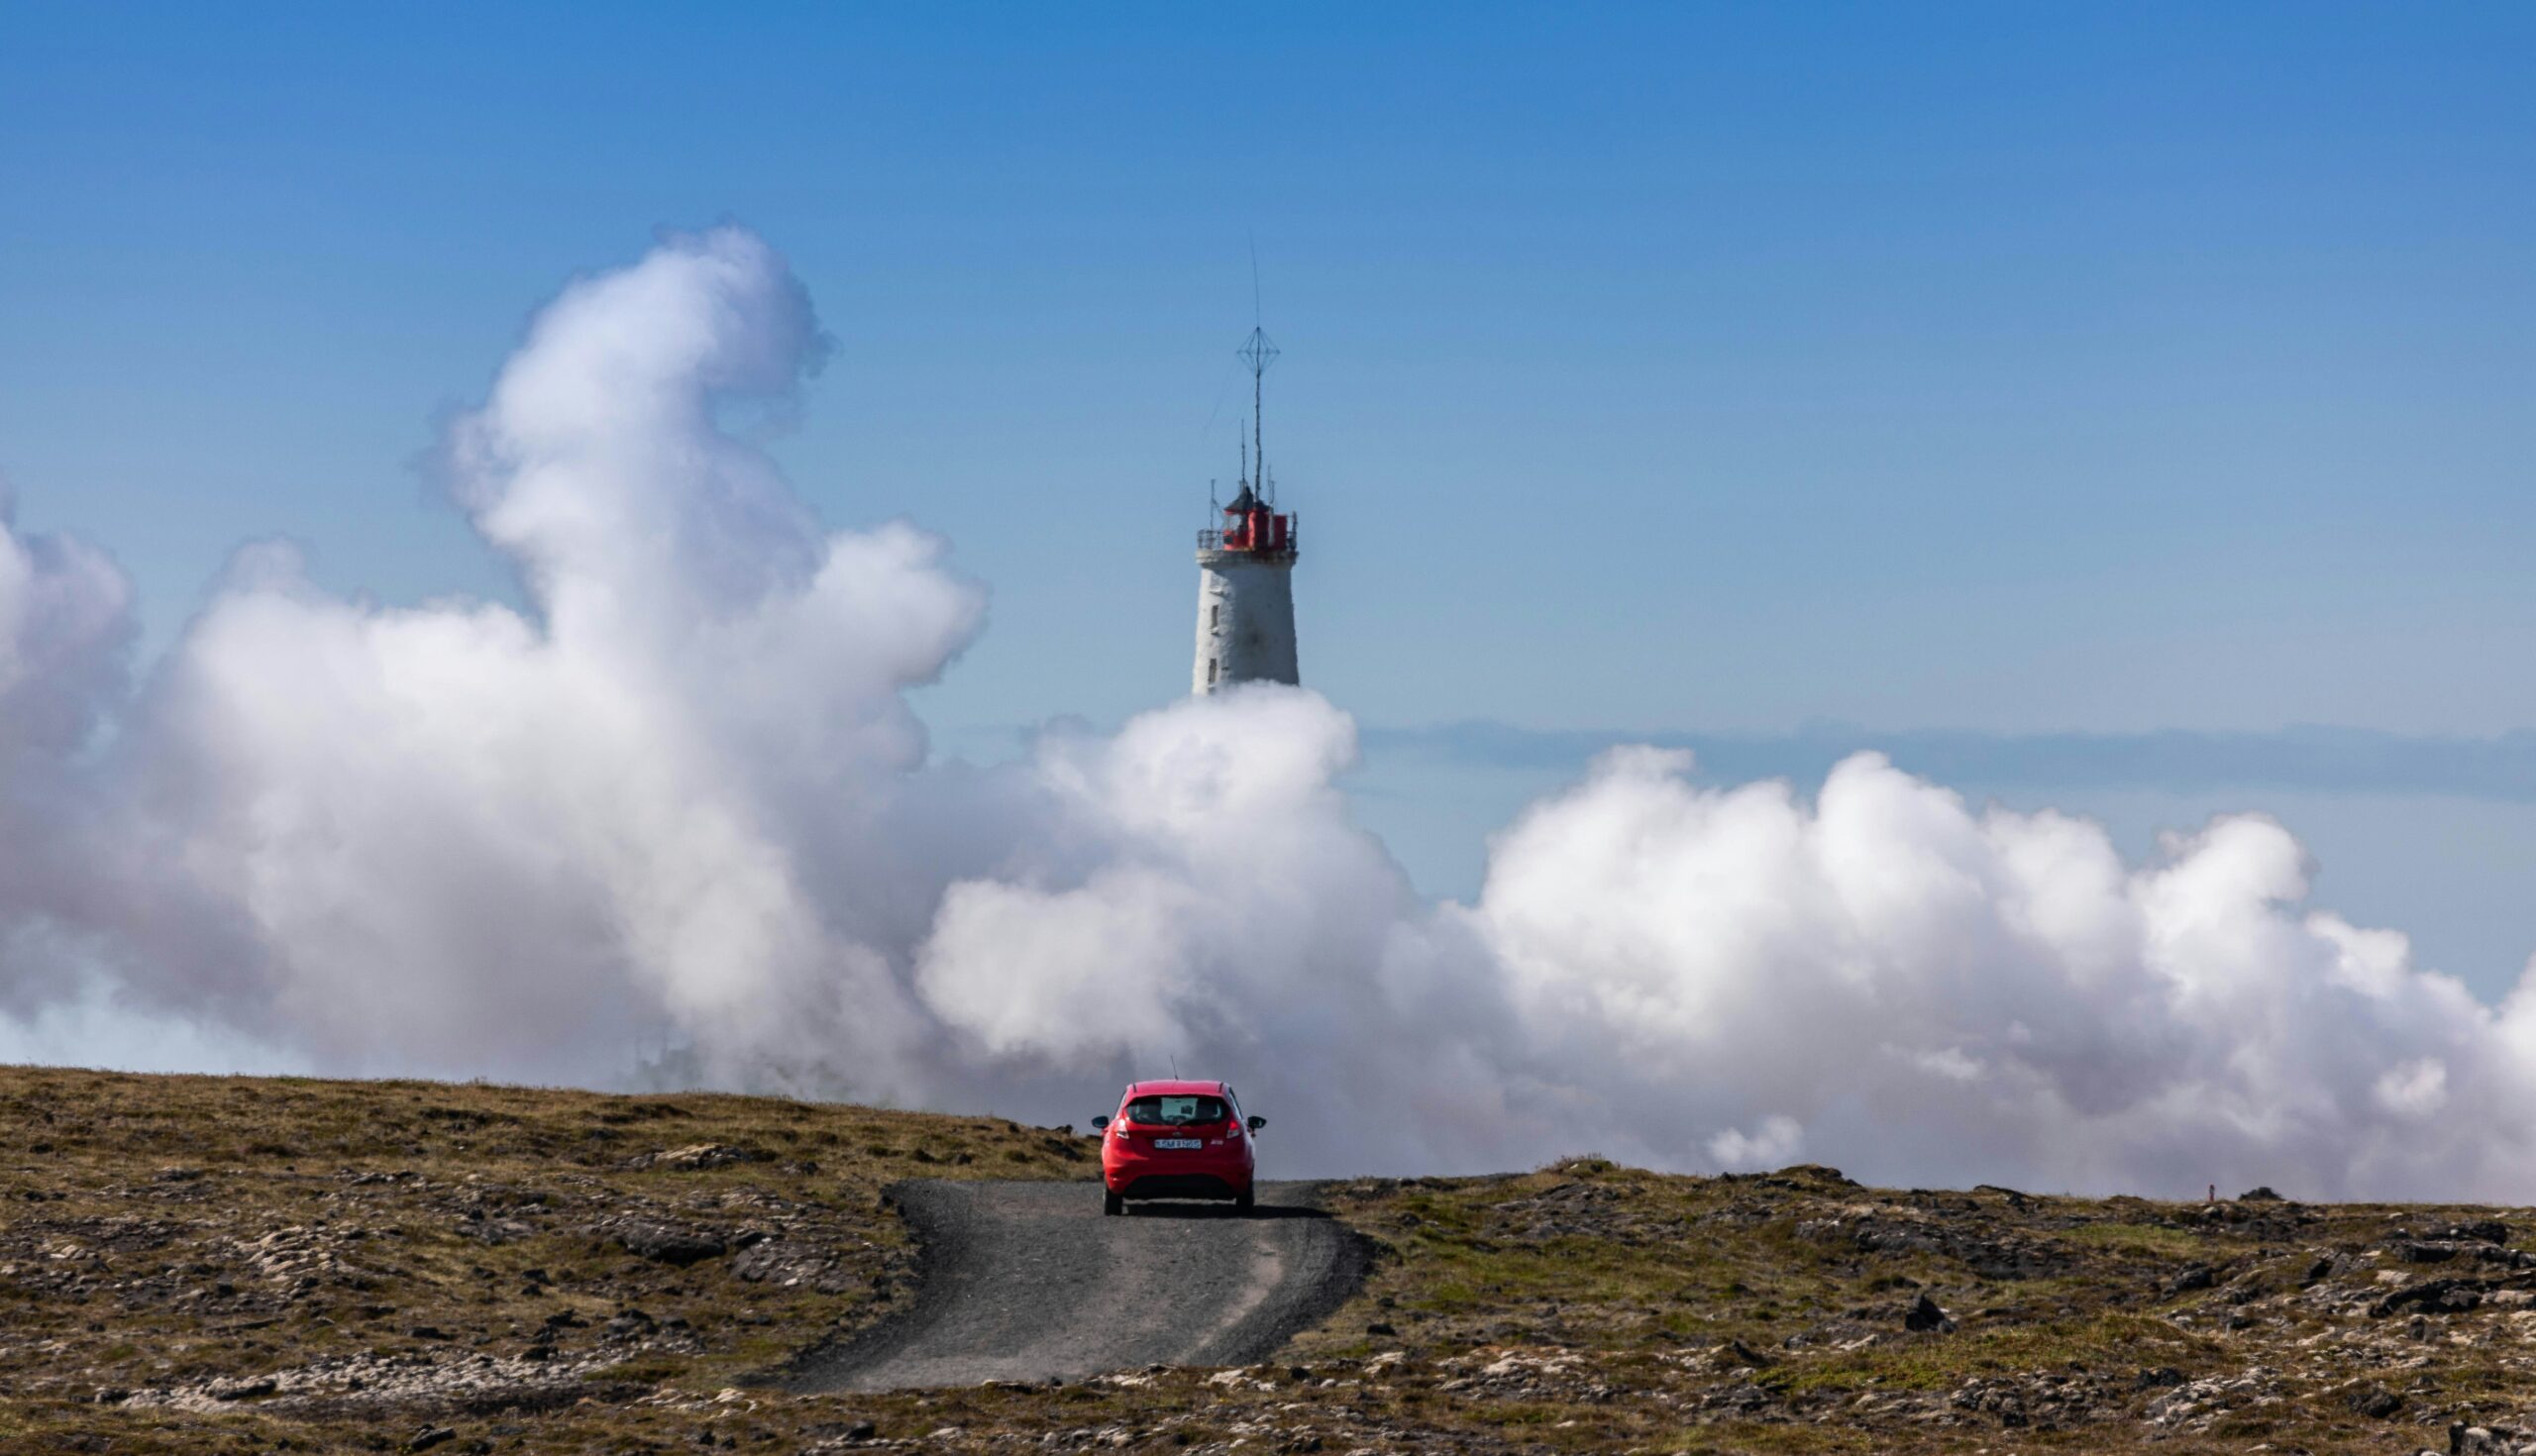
[{"x": 683, "y": 794}]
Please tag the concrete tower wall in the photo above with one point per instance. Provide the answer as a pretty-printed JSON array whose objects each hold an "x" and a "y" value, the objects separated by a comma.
[{"x": 1246, "y": 620}]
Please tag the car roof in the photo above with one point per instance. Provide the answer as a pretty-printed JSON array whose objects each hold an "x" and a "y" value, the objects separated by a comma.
[{"x": 1174, "y": 1088}]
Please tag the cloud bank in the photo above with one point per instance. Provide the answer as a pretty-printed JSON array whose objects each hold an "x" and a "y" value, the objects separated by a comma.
[
  {"x": 2501, "y": 769},
  {"x": 680, "y": 796}
]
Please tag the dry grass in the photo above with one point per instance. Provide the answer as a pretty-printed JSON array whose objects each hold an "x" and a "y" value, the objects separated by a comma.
[
  {"x": 403, "y": 1255},
  {"x": 162, "y": 1232},
  {"x": 1623, "y": 1309}
]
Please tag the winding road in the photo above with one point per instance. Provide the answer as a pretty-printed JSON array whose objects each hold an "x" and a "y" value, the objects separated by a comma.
[{"x": 1028, "y": 1282}]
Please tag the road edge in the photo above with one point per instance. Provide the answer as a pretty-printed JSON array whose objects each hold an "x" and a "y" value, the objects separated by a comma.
[
  {"x": 927, "y": 1207},
  {"x": 914, "y": 1201}
]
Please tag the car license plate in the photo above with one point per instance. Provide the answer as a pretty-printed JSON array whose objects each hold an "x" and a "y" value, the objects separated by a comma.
[{"x": 1178, "y": 1142}]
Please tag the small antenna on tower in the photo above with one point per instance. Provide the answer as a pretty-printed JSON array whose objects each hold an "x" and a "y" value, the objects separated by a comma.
[{"x": 1259, "y": 353}]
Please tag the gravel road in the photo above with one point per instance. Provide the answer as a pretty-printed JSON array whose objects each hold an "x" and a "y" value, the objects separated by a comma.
[{"x": 1027, "y": 1281}]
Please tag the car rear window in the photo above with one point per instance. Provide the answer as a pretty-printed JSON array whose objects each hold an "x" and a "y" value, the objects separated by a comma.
[{"x": 1175, "y": 1112}]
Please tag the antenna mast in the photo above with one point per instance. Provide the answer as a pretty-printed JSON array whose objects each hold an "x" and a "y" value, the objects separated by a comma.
[{"x": 1259, "y": 353}]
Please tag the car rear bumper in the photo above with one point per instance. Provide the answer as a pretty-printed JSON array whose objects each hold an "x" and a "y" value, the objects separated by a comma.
[
  {"x": 1211, "y": 1173},
  {"x": 1212, "y": 1186}
]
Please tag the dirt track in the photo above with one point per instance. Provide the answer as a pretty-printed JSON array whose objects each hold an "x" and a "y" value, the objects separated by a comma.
[{"x": 1027, "y": 1281}]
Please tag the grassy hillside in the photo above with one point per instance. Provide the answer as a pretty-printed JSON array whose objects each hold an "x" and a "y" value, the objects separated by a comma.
[
  {"x": 193, "y": 1263},
  {"x": 1594, "y": 1306},
  {"x": 305, "y": 1265}
]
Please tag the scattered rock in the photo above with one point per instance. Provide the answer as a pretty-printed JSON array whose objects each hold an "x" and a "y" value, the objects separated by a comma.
[
  {"x": 1924, "y": 1314},
  {"x": 299, "y": 1255},
  {"x": 701, "y": 1156},
  {"x": 1818, "y": 1173},
  {"x": 2431, "y": 1295},
  {"x": 805, "y": 1262},
  {"x": 663, "y": 1244},
  {"x": 2016, "y": 1199},
  {"x": 496, "y": 1232},
  {"x": 2481, "y": 1440},
  {"x": 430, "y": 1436},
  {"x": 2375, "y": 1401},
  {"x": 1897, "y": 1231}
]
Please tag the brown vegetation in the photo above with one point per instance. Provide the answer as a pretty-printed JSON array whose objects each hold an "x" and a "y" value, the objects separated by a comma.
[{"x": 196, "y": 1264}]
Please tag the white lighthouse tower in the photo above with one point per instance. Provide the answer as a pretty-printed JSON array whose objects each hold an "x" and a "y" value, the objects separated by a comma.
[{"x": 1247, "y": 568}]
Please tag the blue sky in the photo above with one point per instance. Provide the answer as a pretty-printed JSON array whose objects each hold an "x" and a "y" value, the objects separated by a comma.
[{"x": 1674, "y": 369}]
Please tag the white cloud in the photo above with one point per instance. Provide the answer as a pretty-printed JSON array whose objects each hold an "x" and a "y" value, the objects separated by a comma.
[
  {"x": 1773, "y": 1143},
  {"x": 682, "y": 794}
]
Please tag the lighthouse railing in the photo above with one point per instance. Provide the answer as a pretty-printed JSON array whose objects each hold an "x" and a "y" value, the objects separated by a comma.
[{"x": 1244, "y": 540}]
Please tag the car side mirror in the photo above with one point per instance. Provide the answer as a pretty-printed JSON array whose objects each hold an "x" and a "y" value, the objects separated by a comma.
[
  {"x": 1100, "y": 1123},
  {"x": 1257, "y": 1123}
]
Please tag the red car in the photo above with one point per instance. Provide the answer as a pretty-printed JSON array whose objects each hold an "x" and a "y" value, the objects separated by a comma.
[{"x": 1176, "y": 1140}]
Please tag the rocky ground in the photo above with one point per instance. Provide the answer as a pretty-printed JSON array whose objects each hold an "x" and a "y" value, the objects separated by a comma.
[
  {"x": 1800, "y": 1311},
  {"x": 198, "y": 1265},
  {"x": 201, "y": 1263}
]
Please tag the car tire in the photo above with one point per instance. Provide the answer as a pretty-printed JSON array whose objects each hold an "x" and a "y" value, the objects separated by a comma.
[
  {"x": 1242, "y": 1201},
  {"x": 1113, "y": 1205}
]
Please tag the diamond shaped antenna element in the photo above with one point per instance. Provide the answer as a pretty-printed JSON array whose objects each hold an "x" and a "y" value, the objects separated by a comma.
[{"x": 1258, "y": 353}]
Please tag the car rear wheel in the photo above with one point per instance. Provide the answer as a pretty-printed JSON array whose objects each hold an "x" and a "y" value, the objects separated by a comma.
[
  {"x": 1242, "y": 1201},
  {"x": 1112, "y": 1206}
]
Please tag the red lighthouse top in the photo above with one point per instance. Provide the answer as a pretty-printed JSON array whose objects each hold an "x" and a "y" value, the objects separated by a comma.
[{"x": 1253, "y": 528}]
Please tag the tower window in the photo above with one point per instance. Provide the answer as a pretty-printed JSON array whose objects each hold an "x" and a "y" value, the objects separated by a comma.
[
  {"x": 1211, "y": 672},
  {"x": 1216, "y": 615}
]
